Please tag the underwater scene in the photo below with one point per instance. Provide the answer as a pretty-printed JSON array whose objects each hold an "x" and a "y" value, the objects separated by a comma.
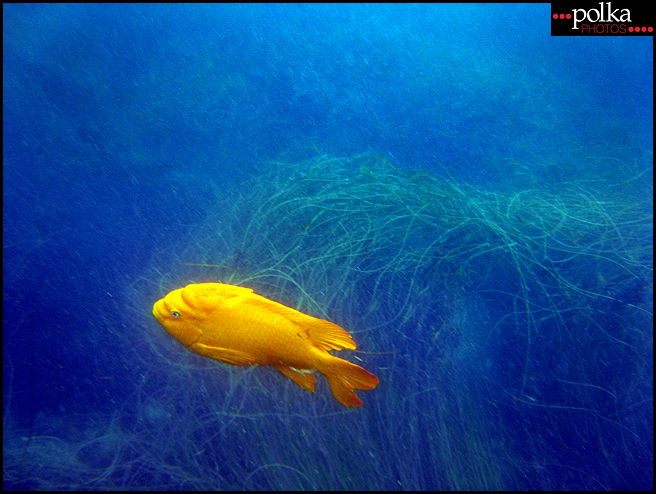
[{"x": 325, "y": 247}]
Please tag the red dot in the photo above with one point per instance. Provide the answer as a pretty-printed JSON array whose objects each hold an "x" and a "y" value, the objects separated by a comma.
[
  {"x": 644, "y": 29},
  {"x": 562, "y": 16},
  {"x": 651, "y": 29},
  {"x": 555, "y": 16},
  {"x": 630, "y": 29},
  {"x": 569, "y": 16}
]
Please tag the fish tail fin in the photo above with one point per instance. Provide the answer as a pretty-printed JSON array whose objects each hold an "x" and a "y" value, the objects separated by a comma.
[{"x": 343, "y": 377}]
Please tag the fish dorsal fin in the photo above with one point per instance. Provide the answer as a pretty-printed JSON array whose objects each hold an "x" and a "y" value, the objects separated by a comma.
[
  {"x": 324, "y": 334},
  {"x": 328, "y": 336}
]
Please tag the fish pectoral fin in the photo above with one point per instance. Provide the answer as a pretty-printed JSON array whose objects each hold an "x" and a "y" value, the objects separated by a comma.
[
  {"x": 227, "y": 355},
  {"x": 305, "y": 380}
]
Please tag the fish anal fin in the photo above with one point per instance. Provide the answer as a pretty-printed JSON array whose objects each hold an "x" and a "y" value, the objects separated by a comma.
[
  {"x": 226, "y": 355},
  {"x": 305, "y": 380}
]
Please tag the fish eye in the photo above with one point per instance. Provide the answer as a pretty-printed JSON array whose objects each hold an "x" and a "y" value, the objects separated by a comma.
[{"x": 175, "y": 314}]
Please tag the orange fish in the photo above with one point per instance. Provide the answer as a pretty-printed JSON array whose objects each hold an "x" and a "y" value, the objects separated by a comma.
[{"x": 234, "y": 325}]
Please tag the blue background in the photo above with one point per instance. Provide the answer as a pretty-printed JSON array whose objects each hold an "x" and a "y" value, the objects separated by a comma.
[{"x": 124, "y": 125}]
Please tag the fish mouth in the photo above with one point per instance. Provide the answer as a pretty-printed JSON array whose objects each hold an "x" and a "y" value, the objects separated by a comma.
[{"x": 156, "y": 311}]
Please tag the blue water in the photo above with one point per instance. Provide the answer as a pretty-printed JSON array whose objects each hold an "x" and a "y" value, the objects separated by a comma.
[{"x": 123, "y": 125}]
